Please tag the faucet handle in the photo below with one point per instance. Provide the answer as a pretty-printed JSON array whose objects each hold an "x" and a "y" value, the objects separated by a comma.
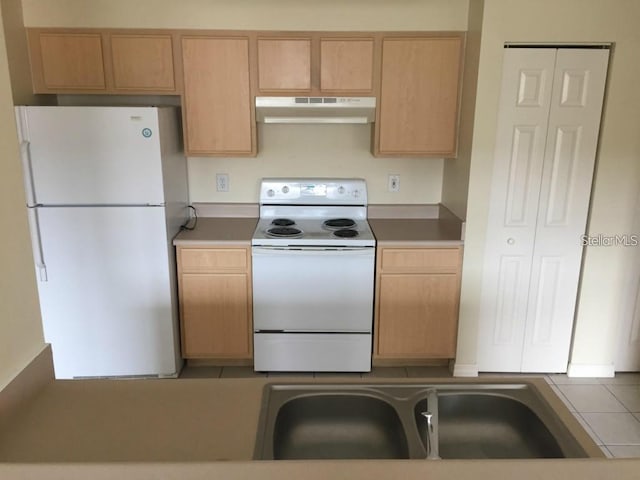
[{"x": 429, "y": 417}]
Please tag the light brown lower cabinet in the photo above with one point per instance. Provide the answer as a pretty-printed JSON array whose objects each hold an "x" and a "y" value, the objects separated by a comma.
[
  {"x": 416, "y": 307},
  {"x": 215, "y": 304}
]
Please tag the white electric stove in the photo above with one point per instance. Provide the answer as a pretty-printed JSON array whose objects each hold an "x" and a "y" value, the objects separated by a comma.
[{"x": 313, "y": 256}]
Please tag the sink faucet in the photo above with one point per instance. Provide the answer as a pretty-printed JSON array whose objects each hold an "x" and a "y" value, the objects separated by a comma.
[{"x": 431, "y": 415}]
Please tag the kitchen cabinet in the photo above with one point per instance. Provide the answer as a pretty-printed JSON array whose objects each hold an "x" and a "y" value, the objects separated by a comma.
[
  {"x": 215, "y": 303},
  {"x": 419, "y": 96},
  {"x": 346, "y": 65},
  {"x": 284, "y": 64},
  {"x": 217, "y": 107},
  {"x": 142, "y": 63},
  {"x": 416, "y": 306},
  {"x": 315, "y": 64},
  {"x": 101, "y": 61},
  {"x": 66, "y": 61}
]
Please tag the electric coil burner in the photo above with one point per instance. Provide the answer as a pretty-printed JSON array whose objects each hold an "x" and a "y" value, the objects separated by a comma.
[{"x": 313, "y": 262}]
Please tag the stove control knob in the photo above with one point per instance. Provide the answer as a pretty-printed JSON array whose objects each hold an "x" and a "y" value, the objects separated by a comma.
[
  {"x": 270, "y": 192},
  {"x": 356, "y": 193},
  {"x": 285, "y": 189},
  {"x": 341, "y": 190}
]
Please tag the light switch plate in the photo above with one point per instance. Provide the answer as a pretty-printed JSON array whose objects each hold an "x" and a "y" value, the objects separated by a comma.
[{"x": 393, "y": 184}]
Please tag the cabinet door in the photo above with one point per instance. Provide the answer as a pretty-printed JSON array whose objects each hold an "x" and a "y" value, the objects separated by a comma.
[
  {"x": 67, "y": 61},
  {"x": 419, "y": 96},
  {"x": 142, "y": 62},
  {"x": 284, "y": 64},
  {"x": 346, "y": 65},
  {"x": 215, "y": 315},
  {"x": 417, "y": 315},
  {"x": 217, "y": 99}
]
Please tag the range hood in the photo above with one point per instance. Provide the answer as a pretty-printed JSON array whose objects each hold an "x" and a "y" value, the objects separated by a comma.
[{"x": 315, "y": 109}]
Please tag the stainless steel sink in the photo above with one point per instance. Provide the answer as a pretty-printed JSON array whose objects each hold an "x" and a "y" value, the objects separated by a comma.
[
  {"x": 388, "y": 421},
  {"x": 483, "y": 425},
  {"x": 338, "y": 426}
]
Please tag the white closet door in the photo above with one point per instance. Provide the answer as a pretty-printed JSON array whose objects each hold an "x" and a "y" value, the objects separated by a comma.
[
  {"x": 572, "y": 139},
  {"x": 520, "y": 144},
  {"x": 546, "y": 142}
]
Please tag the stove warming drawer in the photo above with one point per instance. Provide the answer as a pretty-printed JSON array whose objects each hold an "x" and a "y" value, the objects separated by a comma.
[{"x": 312, "y": 352}]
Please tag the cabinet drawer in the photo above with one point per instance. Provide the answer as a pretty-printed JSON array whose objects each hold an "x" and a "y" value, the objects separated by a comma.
[
  {"x": 420, "y": 259},
  {"x": 194, "y": 260}
]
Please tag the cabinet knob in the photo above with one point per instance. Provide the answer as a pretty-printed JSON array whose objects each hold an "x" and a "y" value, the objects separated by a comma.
[{"x": 511, "y": 241}]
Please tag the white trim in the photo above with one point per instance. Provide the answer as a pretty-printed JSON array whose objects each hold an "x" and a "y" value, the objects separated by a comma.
[
  {"x": 591, "y": 371},
  {"x": 465, "y": 370}
]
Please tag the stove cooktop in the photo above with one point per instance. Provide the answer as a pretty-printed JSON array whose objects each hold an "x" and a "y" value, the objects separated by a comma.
[
  {"x": 322, "y": 212},
  {"x": 312, "y": 232}
]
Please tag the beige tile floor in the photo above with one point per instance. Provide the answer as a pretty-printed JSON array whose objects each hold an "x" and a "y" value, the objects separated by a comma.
[{"x": 608, "y": 408}]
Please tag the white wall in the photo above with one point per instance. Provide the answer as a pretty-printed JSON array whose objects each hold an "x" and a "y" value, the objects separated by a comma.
[
  {"x": 21, "y": 336},
  {"x": 250, "y": 14},
  {"x": 455, "y": 183},
  {"x": 617, "y": 179},
  {"x": 316, "y": 151},
  {"x": 283, "y": 150}
]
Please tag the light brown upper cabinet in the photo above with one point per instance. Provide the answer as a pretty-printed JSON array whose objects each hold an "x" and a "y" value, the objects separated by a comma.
[
  {"x": 67, "y": 61},
  {"x": 142, "y": 62},
  {"x": 346, "y": 65},
  {"x": 101, "y": 61},
  {"x": 315, "y": 64},
  {"x": 217, "y": 111},
  {"x": 284, "y": 64},
  {"x": 419, "y": 96}
]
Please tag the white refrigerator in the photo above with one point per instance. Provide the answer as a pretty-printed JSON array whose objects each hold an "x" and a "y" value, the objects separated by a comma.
[{"x": 106, "y": 193}]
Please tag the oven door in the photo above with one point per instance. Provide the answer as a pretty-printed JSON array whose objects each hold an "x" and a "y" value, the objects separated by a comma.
[{"x": 313, "y": 289}]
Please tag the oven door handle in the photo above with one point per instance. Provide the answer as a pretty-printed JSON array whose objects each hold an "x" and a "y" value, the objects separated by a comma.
[{"x": 319, "y": 251}]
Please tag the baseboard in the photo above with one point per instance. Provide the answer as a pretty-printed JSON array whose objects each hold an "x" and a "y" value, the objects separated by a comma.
[
  {"x": 591, "y": 371},
  {"x": 35, "y": 376},
  {"x": 468, "y": 370}
]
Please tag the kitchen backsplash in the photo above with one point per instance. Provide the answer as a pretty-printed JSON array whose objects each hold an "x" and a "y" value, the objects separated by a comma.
[{"x": 316, "y": 151}]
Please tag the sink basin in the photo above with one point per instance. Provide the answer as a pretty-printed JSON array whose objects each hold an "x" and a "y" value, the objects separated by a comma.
[
  {"x": 476, "y": 425},
  {"x": 385, "y": 421},
  {"x": 338, "y": 426}
]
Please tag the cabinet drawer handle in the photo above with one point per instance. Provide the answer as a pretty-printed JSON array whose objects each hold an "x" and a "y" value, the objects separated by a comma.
[{"x": 511, "y": 241}]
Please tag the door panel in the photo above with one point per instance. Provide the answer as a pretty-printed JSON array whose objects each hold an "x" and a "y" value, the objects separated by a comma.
[
  {"x": 106, "y": 307},
  {"x": 300, "y": 290},
  {"x": 94, "y": 155},
  {"x": 520, "y": 144},
  {"x": 574, "y": 123}
]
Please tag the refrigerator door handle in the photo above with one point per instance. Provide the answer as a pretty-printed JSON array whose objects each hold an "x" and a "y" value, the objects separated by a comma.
[
  {"x": 27, "y": 173},
  {"x": 36, "y": 243}
]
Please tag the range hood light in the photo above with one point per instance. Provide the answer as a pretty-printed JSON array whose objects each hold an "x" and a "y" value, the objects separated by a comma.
[
  {"x": 308, "y": 120},
  {"x": 309, "y": 110}
]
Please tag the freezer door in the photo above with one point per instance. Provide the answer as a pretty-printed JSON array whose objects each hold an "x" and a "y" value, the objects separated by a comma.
[
  {"x": 93, "y": 155},
  {"x": 106, "y": 303}
]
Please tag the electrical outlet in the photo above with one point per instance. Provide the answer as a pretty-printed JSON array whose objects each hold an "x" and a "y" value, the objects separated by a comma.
[
  {"x": 222, "y": 182},
  {"x": 394, "y": 183}
]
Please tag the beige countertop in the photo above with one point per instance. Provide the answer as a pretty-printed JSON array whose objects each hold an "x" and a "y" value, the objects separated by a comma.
[
  {"x": 416, "y": 232},
  {"x": 206, "y": 428},
  {"x": 219, "y": 231},
  {"x": 388, "y": 232}
]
